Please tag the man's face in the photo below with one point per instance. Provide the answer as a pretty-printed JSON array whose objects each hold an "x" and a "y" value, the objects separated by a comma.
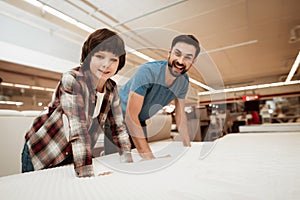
[{"x": 181, "y": 58}]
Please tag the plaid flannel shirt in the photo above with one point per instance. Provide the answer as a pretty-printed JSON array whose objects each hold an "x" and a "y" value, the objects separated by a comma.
[{"x": 53, "y": 137}]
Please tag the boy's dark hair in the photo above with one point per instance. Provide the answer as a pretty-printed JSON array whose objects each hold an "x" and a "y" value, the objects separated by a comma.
[
  {"x": 103, "y": 40},
  {"x": 189, "y": 39}
]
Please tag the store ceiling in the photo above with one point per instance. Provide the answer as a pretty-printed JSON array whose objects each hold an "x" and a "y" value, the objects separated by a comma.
[{"x": 244, "y": 42}]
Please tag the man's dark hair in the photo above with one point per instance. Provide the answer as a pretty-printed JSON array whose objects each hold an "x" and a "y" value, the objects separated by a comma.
[{"x": 189, "y": 39}]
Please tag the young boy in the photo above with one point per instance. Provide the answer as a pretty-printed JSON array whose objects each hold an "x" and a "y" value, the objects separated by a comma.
[{"x": 84, "y": 98}]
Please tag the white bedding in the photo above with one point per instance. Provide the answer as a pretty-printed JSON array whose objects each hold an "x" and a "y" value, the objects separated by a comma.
[
  {"x": 237, "y": 166},
  {"x": 280, "y": 127}
]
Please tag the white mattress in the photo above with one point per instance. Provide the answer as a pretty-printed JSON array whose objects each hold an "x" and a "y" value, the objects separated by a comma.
[
  {"x": 280, "y": 127},
  {"x": 237, "y": 166}
]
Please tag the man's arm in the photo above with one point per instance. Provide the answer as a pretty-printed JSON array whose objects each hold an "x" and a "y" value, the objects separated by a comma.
[
  {"x": 181, "y": 122},
  {"x": 134, "y": 106}
]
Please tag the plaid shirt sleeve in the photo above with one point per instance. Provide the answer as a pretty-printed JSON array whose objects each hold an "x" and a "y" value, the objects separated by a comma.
[{"x": 74, "y": 106}]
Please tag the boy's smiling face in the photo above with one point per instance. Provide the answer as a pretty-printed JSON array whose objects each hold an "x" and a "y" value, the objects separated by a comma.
[{"x": 104, "y": 64}]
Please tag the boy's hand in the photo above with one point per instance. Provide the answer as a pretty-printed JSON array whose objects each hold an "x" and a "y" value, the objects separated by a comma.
[{"x": 105, "y": 173}]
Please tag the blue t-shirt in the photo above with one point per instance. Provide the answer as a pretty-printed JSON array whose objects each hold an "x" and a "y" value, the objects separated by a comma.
[{"x": 149, "y": 81}]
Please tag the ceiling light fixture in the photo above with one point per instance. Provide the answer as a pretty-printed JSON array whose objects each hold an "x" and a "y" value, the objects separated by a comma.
[
  {"x": 80, "y": 25},
  {"x": 201, "y": 84},
  {"x": 251, "y": 87},
  {"x": 143, "y": 56},
  {"x": 90, "y": 30},
  {"x": 22, "y": 86},
  {"x": 139, "y": 54},
  {"x": 17, "y": 103},
  {"x": 60, "y": 15},
  {"x": 230, "y": 47},
  {"x": 293, "y": 69},
  {"x": 27, "y": 86}
]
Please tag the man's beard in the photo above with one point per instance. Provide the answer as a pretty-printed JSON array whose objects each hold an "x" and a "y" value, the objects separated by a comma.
[{"x": 173, "y": 64}]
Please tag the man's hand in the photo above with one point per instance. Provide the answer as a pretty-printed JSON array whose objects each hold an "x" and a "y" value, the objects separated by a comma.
[
  {"x": 164, "y": 156},
  {"x": 186, "y": 141},
  {"x": 147, "y": 156}
]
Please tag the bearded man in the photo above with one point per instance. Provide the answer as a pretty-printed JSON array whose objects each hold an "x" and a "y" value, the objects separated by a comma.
[{"x": 155, "y": 85}]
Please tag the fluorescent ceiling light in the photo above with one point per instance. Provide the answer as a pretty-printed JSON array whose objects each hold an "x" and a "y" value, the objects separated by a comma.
[
  {"x": 7, "y": 84},
  {"x": 37, "y": 88},
  {"x": 17, "y": 103},
  {"x": 50, "y": 89},
  {"x": 130, "y": 50},
  {"x": 230, "y": 46},
  {"x": 27, "y": 86},
  {"x": 59, "y": 14},
  {"x": 251, "y": 87},
  {"x": 22, "y": 86},
  {"x": 34, "y": 3},
  {"x": 85, "y": 27},
  {"x": 201, "y": 84},
  {"x": 79, "y": 24},
  {"x": 293, "y": 69},
  {"x": 139, "y": 54}
]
